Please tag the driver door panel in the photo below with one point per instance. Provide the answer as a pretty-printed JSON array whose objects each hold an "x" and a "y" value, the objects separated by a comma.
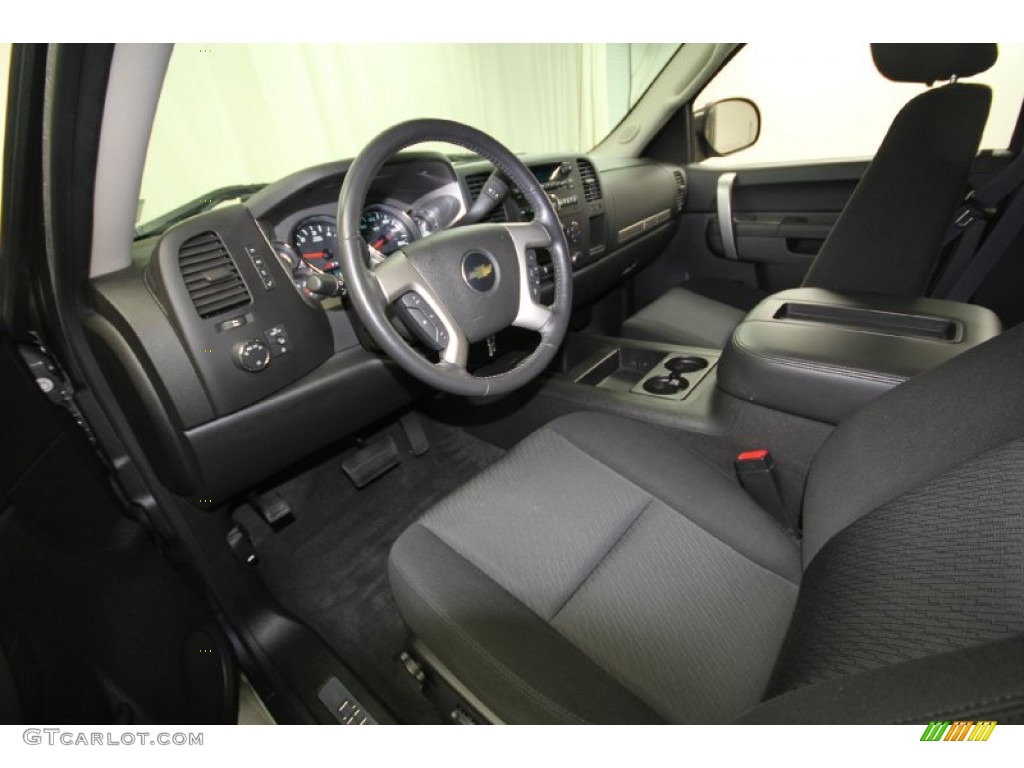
[{"x": 95, "y": 624}]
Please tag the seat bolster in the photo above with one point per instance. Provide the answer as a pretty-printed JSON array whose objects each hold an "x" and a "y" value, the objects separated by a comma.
[
  {"x": 982, "y": 682},
  {"x": 498, "y": 648},
  {"x": 682, "y": 317}
]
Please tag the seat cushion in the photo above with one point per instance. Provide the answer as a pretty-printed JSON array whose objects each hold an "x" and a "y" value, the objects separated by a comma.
[
  {"x": 582, "y": 579},
  {"x": 686, "y": 318}
]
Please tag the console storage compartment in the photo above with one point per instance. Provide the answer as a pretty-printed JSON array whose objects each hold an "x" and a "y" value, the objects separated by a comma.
[{"x": 825, "y": 355}]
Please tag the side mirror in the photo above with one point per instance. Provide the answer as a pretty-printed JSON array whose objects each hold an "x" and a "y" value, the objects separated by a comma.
[{"x": 729, "y": 126}]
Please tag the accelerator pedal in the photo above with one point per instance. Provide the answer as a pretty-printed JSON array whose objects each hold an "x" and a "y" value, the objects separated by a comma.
[{"x": 412, "y": 426}]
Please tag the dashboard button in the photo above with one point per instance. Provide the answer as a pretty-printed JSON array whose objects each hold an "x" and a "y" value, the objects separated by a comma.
[
  {"x": 234, "y": 322},
  {"x": 277, "y": 338}
]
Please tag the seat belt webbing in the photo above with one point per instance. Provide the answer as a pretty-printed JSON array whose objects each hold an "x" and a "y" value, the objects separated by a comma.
[{"x": 969, "y": 228}]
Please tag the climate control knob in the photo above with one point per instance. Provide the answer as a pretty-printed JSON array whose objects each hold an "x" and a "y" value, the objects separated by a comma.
[{"x": 251, "y": 355}]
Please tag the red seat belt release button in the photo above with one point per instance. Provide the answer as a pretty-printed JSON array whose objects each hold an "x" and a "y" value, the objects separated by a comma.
[{"x": 756, "y": 472}]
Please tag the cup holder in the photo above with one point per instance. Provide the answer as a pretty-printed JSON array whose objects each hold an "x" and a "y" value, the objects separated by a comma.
[
  {"x": 666, "y": 385},
  {"x": 686, "y": 364}
]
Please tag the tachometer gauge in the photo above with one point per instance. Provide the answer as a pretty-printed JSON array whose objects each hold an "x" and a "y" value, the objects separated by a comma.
[{"x": 386, "y": 229}]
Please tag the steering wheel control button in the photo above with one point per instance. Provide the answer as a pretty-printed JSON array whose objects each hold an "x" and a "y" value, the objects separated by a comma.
[
  {"x": 533, "y": 275},
  {"x": 277, "y": 338},
  {"x": 662, "y": 385},
  {"x": 422, "y": 321},
  {"x": 252, "y": 355},
  {"x": 478, "y": 271},
  {"x": 260, "y": 266},
  {"x": 686, "y": 364}
]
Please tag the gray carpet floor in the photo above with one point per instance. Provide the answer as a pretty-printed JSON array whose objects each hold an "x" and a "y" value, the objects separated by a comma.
[{"x": 329, "y": 566}]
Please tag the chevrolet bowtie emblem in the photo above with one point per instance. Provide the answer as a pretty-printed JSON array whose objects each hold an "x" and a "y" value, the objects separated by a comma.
[{"x": 478, "y": 271}]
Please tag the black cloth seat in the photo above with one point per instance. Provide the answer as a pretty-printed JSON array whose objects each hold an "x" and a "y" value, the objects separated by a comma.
[
  {"x": 888, "y": 238},
  {"x": 604, "y": 572},
  {"x": 686, "y": 317}
]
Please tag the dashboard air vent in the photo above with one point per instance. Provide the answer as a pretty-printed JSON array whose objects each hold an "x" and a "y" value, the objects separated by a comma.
[
  {"x": 211, "y": 276},
  {"x": 680, "y": 189},
  {"x": 475, "y": 183},
  {"x": 591, "y": 186}
]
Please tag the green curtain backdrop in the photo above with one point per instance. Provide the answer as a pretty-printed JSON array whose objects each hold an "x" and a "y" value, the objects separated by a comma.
[{"x": 241, "y": 113}]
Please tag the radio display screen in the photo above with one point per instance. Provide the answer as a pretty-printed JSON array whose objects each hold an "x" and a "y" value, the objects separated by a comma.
[{"x": 549, "y": 172}]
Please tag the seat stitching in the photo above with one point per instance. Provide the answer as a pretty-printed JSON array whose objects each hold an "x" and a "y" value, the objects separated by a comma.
[
  {"x": 693, "y": 522},
  {"x": 603, "y": 557},
  {"x": 696, "y": 454}
]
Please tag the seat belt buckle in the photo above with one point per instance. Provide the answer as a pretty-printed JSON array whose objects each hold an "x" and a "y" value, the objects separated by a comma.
[
  {"x": 972, "y": 210},
  {"x": 757, "y": 474}
]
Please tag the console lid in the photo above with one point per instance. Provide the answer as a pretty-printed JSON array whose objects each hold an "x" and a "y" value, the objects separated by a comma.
[{"x": 825, "y": 355}]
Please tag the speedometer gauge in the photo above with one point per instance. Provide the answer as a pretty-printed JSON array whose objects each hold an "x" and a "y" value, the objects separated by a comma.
[{"x": 385, "y": 229}]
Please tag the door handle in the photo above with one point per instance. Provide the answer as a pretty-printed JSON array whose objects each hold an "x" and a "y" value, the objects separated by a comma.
[{"x": 723, "y": 199}]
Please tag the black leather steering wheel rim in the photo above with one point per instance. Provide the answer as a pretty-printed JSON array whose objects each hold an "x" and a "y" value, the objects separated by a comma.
[{"x": 368, "y": 288}]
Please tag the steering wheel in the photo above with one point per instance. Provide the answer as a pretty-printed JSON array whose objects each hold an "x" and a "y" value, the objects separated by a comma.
[{"x": 460, "y": 285}]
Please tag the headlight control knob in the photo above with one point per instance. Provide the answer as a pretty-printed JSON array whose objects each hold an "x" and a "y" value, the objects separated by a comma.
[{"x": 251, "y": 355}]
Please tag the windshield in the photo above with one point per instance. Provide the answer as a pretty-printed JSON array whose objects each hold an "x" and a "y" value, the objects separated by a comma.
[{"x": 244, "y": 114}]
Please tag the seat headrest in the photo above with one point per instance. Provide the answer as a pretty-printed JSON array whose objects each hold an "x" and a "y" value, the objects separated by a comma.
[{"x": 929, "y": 62}]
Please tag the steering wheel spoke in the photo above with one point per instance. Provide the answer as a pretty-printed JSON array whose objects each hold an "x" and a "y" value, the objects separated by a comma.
[
  {"x": 528, "y": 234},
  {"x": 531, "y": 314},
  {"x": 397, "y": 276},
  {"x": 402, "y": 285},
  {"x": 456, "y": 353}
]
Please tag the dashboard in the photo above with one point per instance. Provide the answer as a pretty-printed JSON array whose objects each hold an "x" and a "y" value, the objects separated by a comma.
[{"x": 235, "y": 363}]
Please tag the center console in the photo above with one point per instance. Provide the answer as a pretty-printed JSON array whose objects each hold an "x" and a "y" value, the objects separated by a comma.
[
  {"x": 825, "y": 355},
  {"x": 807, "y": 352}
]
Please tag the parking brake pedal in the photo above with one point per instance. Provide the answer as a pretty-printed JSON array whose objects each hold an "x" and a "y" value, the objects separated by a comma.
[
  {"x": 273, "y": 508},
  {"x": 370, "y": 462}
]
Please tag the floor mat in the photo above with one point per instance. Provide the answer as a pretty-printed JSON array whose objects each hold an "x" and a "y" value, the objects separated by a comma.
[{"x": 329, "y": 567}]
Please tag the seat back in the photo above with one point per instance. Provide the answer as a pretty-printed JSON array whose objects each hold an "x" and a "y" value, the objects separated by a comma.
[{"x": 888, "y": 239}]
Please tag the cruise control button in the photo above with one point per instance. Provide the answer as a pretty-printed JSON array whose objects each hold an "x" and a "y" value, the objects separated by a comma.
[{"x": 421, "y": 320}]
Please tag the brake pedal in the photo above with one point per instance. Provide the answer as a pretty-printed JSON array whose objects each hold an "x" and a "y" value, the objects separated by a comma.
[{"x": 370, "y": 462}]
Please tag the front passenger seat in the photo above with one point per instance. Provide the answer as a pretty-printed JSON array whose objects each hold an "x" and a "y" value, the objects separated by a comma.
[
  {"x": 889, "y": 236},
  {"x": 604, "y": 572}
]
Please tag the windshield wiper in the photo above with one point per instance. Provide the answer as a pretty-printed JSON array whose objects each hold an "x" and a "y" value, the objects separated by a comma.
[{"x": 201, "y": 204}]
